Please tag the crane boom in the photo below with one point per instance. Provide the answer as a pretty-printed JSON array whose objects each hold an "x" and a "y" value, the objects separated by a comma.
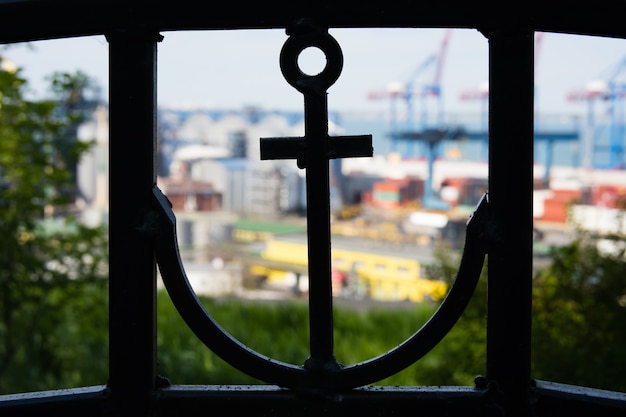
[
  {"x": 442, "y": 56},
  {"x": 432, "y": 88}
]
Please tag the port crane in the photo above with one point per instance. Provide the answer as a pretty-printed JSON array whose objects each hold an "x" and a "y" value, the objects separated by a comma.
[
  {"x": 604, "y": 142},
  {"x": 425, "y": 130},
  {"x": 481, "y": 93},
  {"x": 549, "y": 136},
  {"x": 418, "y": 86}
]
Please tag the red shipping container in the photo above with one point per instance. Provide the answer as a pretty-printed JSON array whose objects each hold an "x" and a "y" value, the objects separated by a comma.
[{"x": 611, "y": 196}]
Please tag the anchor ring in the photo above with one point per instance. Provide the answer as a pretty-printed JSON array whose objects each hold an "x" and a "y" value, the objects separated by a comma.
[{"x": 292, "y": 49}]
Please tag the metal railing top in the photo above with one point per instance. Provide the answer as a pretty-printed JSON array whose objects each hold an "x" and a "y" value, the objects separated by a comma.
[{"x": 29, "y": 20}]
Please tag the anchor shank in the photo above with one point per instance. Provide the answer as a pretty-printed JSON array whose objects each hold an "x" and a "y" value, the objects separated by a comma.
[{"x": 319, "y": 237}]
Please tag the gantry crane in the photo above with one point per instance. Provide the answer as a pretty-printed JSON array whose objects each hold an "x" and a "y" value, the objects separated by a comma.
[
  {"x": 482, "y": 92},
  {"x": 604, "y": 142},
  {"x": 419, "y": 86},
  {"x": 429, "y": 129},
  {"x": 550, "y": 137}
]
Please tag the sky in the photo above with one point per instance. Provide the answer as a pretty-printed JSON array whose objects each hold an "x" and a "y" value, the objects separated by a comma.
[{"x": 232, "y": 69}]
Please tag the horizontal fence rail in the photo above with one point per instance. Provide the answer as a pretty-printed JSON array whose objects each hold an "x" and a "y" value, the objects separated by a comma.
[{"x": 27, "y": 20}]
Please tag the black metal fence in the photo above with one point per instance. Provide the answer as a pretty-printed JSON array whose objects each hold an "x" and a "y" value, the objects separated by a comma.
[{"x": 142, "y": 224}]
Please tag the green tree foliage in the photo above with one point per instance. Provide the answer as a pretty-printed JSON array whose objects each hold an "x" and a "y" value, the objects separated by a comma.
[
  {"x": 579, "y": 305},
  {"x": 279, "y": 330},
  {"x": 578, "y": 316},
  {"x": 185, "y": 360},
  {"x": 51, "y": 266},
  {"x": 461, "y": 355}
]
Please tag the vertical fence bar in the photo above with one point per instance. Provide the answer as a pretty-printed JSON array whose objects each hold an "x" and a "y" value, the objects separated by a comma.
[
  {"x": 132, "y": 288},
  {"x": 511, "y": 88}
]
